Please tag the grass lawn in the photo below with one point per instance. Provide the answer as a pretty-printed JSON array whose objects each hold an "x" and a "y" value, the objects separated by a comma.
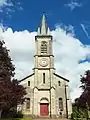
[{"x": 16, "y": 118}]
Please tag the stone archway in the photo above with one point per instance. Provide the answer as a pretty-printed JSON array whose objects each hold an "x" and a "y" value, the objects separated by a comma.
[{"x": 44, "y": 104}]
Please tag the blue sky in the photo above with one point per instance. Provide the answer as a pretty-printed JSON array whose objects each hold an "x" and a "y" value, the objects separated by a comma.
[
  {"x": 57, "y": 12},
  {"x": 69, "y": 21}
]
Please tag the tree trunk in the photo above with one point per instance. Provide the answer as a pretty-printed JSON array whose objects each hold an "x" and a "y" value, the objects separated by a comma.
[{"x": 0, "y": 113}]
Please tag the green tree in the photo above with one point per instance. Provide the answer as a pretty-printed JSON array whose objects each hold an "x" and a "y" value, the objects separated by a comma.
[
  {"x": 11, "y": 93},
  {"x": 85, "y": 85},
  {"x": 82, "y": 103}
]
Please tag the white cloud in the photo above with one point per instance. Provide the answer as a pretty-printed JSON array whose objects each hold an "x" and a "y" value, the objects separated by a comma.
[
  {"x": 5, "y": 3},
  {"x": 8, "y": 6},
  {"x": 69, "y": 29},
  {"x": 84, "y": 30},
  {"x": 73, "y": 4},
  {"x": 68, "y": 52},
  {"x": 2, "y": 2}
]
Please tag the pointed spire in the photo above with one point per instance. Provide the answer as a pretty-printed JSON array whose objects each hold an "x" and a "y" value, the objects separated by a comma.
[{"x": 43, "y": 29}]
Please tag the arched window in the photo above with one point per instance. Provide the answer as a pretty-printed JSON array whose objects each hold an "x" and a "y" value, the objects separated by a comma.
[
  {"x": 60, "y": 104},
  {"x": 28, "y": 103},
  {"x": 59, "y": 83},
  {"x": 28, "y": 83},
  {"x": 43, "y": 47}
]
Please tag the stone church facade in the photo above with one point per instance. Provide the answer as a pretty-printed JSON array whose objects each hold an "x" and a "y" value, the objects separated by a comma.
[{"x": 47, "y": 92}]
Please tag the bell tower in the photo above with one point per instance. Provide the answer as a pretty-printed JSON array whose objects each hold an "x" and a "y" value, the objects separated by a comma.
[{"x": 44, "y": 59}]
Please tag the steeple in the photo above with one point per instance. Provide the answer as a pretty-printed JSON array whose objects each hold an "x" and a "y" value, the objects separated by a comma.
[{"x": 43, "y": 29}]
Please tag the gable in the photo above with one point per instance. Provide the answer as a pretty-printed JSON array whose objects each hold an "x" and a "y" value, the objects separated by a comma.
[
  {"x": 26, "y": 77},
  {"x": 61, "y": 77},
  {"x": 25, "y": 80}
]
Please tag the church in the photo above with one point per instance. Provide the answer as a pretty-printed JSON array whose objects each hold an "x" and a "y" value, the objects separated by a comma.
[{"x": 47, "y": 92}]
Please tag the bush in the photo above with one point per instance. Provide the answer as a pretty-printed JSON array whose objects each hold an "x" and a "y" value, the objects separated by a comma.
[
  {"x": 72, "y": 116},
  {"x": 19, "y": 115},
  {"x": 12, "y": 114}
]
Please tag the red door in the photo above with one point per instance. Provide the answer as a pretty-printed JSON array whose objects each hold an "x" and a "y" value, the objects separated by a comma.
[{"x": 44, "y": 109}]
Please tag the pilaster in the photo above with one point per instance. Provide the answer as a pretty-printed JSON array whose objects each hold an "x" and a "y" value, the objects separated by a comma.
[
  {"x": 53, "y": 114},
  {"x": 35, "y": 105}
]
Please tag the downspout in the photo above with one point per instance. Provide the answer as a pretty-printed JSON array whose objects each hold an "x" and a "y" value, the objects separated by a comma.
[
  {"x": 66, "y": 101},
  {"x": 50, "y": 93}
]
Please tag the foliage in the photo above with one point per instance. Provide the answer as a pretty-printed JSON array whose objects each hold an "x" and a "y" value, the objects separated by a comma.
[
  {"x": 11, "y": 93},
  {"x": 17, "y": 119},
  {"x": 85, "y": 85},
  {"x": 84, "y": 98},
  {"x": 82, "y": 104},
  {"x": 78, "y": 112}
]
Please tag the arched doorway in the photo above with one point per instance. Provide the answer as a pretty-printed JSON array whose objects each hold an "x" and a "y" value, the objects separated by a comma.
[{"x": 44, "y": 107}]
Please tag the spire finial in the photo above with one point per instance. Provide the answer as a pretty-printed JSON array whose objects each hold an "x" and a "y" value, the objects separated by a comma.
[{"x": 43, "y": 29}]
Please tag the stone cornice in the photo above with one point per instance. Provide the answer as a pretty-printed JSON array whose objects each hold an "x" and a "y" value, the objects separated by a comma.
[
  {"x": 43, "y": 55},
  {"x": 43, "y": 89},
  {"x": 43, "y": 36},
  {"x": 43, "y": 68}
]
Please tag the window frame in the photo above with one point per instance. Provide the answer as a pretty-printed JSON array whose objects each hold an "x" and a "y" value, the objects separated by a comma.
[
  {"x": 60, "y": 104},
  {"x": 27, "y": 103},
  {"x": 28, "y": 83},
  {"x": 43, "y": 78},
  {"x": 43, "y": 47},
  {"x": 59, "y": 83}
]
